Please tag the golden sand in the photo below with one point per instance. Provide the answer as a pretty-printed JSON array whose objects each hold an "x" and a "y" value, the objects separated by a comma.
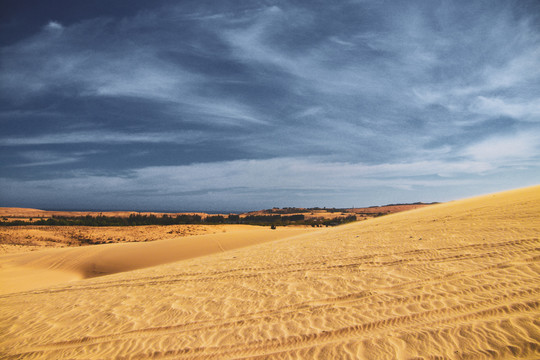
[
  {"x": 27, "y": 271},
  {"x": 459, "y": 280}
]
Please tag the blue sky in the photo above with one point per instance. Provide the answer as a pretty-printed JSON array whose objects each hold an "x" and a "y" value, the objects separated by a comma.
[{"x": 237, "y": 105}]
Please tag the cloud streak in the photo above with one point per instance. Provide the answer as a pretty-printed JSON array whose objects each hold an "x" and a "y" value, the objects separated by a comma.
[
  {"x": 286, "y": 179},
  {"x": 102, "y": 137},
  {"x": 507, "y": 149}
]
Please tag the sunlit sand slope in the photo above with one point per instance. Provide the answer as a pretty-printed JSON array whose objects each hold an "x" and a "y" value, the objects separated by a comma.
[
  {"x": 27, "y": 271},
  {"x": 453, "y": 281}
]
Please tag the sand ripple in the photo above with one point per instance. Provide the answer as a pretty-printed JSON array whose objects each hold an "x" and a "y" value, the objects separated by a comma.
[{"x": 452, "y": 281}]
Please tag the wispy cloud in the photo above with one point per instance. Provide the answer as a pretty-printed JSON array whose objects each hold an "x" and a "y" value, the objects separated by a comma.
[
  {"x": 500, "y": 150},
  {"x": 105, "y": 65},
  {"x": 271, "y": 182},
  {"x": 496, "y": 106},
  {"x": 102, "y": 137},
  {"x": 286, "y": 173},
  {"x": 54, "y": 26},
  {"x": 47, "y": 158}
]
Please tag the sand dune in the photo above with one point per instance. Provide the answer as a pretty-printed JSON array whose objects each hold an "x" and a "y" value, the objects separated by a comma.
[
  {"x": 452, "y": 281},
  {"x": 28, "y": 271}
]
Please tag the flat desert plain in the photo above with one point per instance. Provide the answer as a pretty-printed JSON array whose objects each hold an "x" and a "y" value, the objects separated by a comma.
[
  {"x": 15, "y": 239},
  {"x": 459, "y": 280}
]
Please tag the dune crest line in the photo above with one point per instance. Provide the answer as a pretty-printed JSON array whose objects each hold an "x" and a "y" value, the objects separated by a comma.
[{"x": 19, "y": 270}]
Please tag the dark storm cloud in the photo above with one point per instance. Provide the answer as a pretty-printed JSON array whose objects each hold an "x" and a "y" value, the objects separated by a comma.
[{"x": 347, "y": 96}]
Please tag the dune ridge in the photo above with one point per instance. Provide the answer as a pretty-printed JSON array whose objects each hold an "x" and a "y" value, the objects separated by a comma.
[
  {"x": 452, "y": 281},
  {"x": 26, "y": 271}
]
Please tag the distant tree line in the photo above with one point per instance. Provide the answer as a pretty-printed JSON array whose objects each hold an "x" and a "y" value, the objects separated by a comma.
[
  {"x": 139, "y": 219},
  {"x": 289, "y": 210}
]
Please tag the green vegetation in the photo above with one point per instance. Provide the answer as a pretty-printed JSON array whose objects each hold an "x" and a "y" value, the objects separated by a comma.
[{"x": 138, "y": 220}]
